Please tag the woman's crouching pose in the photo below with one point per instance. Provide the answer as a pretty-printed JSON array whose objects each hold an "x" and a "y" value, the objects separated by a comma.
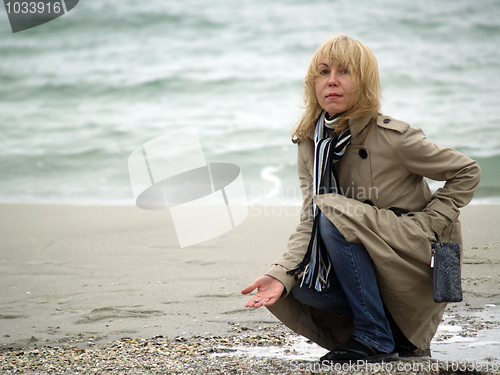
[{"x": 355, "y": 277}]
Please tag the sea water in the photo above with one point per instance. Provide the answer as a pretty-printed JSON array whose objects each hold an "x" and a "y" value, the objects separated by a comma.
[{"x": 80, "y": 93}]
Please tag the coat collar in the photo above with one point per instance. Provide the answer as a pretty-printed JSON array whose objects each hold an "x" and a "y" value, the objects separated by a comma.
[
  {"x": 356, "y": 125},
  {"x": 359, "y": 124}
]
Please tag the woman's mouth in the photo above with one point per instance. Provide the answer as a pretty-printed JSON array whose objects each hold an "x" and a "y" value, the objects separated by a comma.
[{"x": 333, "y": 95}]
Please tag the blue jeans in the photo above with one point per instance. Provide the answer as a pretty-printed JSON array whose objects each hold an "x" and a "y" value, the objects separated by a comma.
[{"x": 353, "y": 290}]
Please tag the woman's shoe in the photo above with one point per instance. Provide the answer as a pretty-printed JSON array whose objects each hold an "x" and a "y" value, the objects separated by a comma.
[
  {"x": 406, "y": 349},
  {"x": 354, "y": 350}
]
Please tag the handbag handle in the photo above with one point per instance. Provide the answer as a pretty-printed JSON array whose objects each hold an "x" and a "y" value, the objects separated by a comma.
[{"x": 433, "y": 250}]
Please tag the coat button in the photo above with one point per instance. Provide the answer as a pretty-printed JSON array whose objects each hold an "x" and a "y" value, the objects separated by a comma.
[
  {"x": 386, "y": 121},
  {"x": 369, "y": 202},
  {"x": 363, "y": 154}
]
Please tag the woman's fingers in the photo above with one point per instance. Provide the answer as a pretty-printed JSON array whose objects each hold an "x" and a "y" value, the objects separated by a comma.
[
  {"x": 250, "y": 288},
  {"x": 261, "y": 301},
  {"x": 252, "y": 302},
  {"x": 256, "y": 300},
  {"x": 268, "y": 288}
]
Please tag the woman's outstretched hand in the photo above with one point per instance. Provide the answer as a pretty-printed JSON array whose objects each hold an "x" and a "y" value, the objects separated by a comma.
[{"x": 269, "y": 290}]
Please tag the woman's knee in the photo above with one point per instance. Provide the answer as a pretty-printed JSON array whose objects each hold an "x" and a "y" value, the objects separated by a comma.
[
  {"x": 332, "y": 300},
  {"x": 335, "y": 242},
  {"x": 328, "y": 229}
]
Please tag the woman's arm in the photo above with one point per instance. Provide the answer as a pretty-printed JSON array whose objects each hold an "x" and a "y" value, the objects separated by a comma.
[{"x": 462, "y": 175}]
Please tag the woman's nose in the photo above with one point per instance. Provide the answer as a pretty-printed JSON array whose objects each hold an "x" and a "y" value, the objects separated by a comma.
[{"x": 333, "y": 79}]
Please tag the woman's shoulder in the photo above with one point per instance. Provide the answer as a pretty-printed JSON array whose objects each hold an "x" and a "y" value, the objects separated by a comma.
[
  {"x": 390, "y": 123},
  {"x": 305, "y": 146},
  {"x": 392, "y": 134}
]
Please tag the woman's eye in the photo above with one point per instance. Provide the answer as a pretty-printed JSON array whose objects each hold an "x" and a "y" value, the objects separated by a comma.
[
  {"x": 345, "y": 71},
  {"x": 324, "y": 72}
]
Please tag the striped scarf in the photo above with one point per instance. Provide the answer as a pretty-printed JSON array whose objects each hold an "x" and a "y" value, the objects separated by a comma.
[{"x": 316, "y": 263}]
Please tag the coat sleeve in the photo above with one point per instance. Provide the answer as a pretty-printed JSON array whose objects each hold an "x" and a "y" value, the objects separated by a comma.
[
  {"x": 299, "y": 240},
  {"x": 462, "y": 175}
]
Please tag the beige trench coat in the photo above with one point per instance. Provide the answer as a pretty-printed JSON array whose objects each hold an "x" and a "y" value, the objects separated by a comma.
[{"x": 382, "y": 168}]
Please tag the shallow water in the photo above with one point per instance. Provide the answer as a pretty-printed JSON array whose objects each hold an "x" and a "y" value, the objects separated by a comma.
[
  {"x": 475, "y": 340},
  {"x": 464, "y": 344}
]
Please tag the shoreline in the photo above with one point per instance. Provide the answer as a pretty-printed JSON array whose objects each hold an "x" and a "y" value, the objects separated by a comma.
[
  {"x": 104, "y": 273},
  {"x": 269, "y": 349}
]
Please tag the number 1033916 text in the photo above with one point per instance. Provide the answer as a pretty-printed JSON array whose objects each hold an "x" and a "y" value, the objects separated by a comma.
[{"x": 33, "y": 7}]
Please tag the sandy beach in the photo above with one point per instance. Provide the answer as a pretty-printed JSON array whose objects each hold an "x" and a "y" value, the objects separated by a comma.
[
  {"x": 118, "y": 272},
  {"x": 80, "y": 274}
]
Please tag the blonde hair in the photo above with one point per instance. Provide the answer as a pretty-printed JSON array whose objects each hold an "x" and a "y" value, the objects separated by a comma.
[{"x": 365, "y": 99}]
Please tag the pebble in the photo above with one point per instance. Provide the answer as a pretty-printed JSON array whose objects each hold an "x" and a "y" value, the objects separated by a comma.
[{"x": 197, "y": 355}]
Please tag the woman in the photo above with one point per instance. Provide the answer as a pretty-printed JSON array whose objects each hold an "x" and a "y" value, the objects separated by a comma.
[{"x": 356, "y": 276}]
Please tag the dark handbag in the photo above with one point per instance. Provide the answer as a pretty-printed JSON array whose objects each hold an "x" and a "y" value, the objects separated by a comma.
[{"x": 445, "y": 261}]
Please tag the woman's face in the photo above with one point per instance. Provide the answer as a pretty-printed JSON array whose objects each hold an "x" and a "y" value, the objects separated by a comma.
[{"x": 334, "y": 87}]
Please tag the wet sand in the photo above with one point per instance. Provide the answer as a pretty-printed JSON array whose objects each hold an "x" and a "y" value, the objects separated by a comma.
[{"x": 80, "y": 274}]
